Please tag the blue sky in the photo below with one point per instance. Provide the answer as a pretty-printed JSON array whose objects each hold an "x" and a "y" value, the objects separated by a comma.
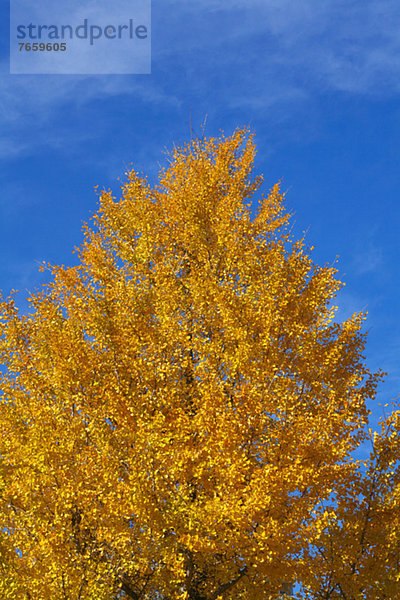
[{"x": 317, "y": 80}]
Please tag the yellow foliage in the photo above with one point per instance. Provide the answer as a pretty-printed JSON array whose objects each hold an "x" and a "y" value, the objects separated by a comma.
[{"x": 178, "y": 411}]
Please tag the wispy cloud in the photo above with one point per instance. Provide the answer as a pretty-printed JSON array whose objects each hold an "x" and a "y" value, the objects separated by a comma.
[
  {"x": 264, "y": 56},
  {"x": 336, "y": 44},
  {"x": 369, "y": 260},
  {"x": 32, "y": 107}
]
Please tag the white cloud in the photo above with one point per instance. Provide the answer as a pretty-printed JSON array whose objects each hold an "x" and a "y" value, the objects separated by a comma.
[
  {"x": 343, "y": 45},
  {"x": 32, "y": 106},
  {"x": 369, "y": 260},
  {"x": 262, "y": 55}
]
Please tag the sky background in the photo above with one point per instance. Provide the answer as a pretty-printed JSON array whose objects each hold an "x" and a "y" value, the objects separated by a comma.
[{"x": 317, "y": 80}]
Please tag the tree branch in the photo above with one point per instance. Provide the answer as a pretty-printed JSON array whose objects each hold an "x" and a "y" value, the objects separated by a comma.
[
  {"x": 125, "y": 587},
  {"x": 227, "y": 586}
]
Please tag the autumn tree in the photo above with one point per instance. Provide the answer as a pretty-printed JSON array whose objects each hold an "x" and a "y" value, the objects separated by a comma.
[
  {"x": 179, "y": 410},
  {"x": 356, "y": 555}
]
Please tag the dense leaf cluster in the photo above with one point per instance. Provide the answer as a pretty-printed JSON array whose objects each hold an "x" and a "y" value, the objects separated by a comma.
[{"x": 179, "y": 411}]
